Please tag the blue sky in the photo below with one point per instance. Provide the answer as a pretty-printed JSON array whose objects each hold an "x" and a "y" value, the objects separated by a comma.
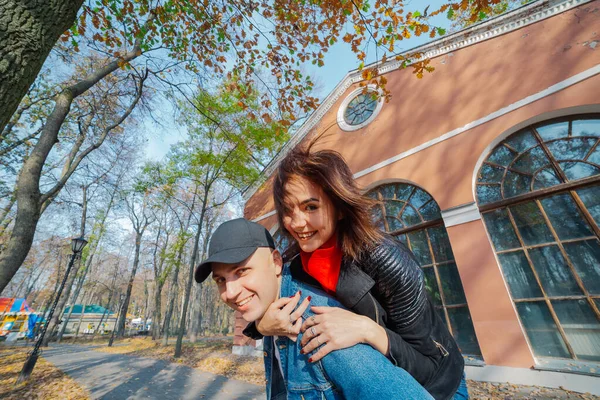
[{"x": 339, "y": 60}]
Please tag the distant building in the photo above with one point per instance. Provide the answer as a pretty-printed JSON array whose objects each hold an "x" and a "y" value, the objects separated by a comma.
[
  {"x": 90, "y": 320},
  {"x": 489, "y": 170}
]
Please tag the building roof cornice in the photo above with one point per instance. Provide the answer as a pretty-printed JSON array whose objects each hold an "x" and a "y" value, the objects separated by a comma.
[{"x": 505, "y": 23}]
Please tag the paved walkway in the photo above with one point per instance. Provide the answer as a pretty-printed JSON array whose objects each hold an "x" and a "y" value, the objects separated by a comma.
[{"x": 121, "y": 376}]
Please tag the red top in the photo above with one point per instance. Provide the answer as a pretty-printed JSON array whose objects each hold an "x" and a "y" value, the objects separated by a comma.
[{"x": 324, "y": 264}]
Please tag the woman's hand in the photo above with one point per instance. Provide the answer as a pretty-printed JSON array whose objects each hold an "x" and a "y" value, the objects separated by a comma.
[
  {"x": 281, "y": 319},
  {"x": 335, "y": 329}
]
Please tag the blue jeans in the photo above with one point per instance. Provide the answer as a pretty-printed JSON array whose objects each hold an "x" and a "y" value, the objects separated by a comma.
[
  {"x": 357, "y": 372},
  {"x": 462, "y": 393}
]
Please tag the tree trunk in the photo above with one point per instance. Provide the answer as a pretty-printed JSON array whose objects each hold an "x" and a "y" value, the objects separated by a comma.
[
  {"x": 30, "y": 201},
  {"x": 188, "y": 288},
  {"x": 83, "y": 273},
  {"x": 171, "y": 305},
  {"x": 109, "y": 301},
  {"x": 84, "y": 303},
  {"x": 29, "y": 31},
  {"x": 197, "y": 320},
  {"x": 106, "y": 310},
  {"x": 157, "y": 311},
  {"x": 125, "y": 305},
  {"x": 55, "y": 322}
]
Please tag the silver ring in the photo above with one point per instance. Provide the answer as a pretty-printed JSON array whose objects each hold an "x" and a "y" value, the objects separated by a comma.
[
  {"x": 312, "y": 330},
  {"x": 318, "y": 341}
]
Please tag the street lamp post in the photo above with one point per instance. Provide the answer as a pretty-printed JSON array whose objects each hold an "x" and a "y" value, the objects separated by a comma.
[{"x": 77, "y": 245}]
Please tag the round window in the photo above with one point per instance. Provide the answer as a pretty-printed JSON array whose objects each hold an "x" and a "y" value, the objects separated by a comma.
[{"x": 359, "y": 109}]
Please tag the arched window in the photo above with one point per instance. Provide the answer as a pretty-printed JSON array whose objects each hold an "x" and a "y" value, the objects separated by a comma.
[
  {"x": 539, "y": 195},
  {"x": 281, "y": 241},
  {"x": 414, "y": 217}
]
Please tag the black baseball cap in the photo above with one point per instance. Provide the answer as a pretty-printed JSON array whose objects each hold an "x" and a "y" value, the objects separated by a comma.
[{"x": 232, "y": 243}]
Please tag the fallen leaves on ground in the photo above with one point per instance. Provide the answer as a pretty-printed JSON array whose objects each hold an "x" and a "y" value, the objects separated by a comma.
[
  {"x": 46, "y": 381},
  {"x": 508, "y": 391},
  {"x": 214, "y": 355}
]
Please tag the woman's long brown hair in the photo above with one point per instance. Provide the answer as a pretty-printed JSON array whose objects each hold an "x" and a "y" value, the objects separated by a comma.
[{"x": 327, "y": 169}]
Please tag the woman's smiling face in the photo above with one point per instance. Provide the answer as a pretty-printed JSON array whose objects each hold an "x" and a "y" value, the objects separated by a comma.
[{"x": 310, "y": 218}]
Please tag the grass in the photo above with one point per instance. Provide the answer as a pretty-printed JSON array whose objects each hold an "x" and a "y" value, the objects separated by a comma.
[{"x": 46, "y": 381}]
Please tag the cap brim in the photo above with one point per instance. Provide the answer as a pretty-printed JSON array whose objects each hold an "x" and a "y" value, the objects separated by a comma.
[{"x": 230, "y": 256}]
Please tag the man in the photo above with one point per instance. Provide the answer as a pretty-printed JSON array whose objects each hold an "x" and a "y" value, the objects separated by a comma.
[{"x": 251, "y": 279}]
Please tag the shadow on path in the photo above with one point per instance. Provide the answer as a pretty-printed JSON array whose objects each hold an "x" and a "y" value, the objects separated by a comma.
[{"x": 121, "y": 376}]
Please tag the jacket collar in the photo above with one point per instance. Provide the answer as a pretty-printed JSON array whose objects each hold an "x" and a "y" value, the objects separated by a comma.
[{"x": 353, "y": 282}]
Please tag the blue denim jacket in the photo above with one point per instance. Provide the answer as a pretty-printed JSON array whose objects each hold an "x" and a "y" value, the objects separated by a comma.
[{"x": 358, "y": 372}]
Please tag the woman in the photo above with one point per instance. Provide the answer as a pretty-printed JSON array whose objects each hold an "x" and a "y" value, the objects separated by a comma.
[{"x": 373, "y": 275}]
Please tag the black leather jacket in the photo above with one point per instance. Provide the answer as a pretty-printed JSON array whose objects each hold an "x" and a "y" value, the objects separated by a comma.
[{"x": 387, "y": 285}]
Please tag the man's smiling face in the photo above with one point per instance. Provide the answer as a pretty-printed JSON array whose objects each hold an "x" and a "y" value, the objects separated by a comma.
[{"x": 252, "y": 285}]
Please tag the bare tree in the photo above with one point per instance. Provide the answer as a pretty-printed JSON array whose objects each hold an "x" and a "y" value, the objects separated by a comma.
[{"x": 140, "y": 217}]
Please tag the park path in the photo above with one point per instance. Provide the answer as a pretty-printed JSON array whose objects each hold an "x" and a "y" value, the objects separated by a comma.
[{"x": 121, "y": 376}]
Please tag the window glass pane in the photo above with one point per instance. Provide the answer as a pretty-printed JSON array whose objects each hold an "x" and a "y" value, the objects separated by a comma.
[
  {"x": 581, "y": 327},
  {"x": 440, "y": 244},
  {"x": 566, "y": 219},
  {"x": 531, "y": 161},
  {"x": 410, "y": 216},
  {"x": 541, "y": 330},
  {"x": 553, "y": 131},
  {"x": 490, "y": 174},
  {"x": 595, "y": 156},
  {"x": 397, "y": 191},
  {"x": 281, "y": 240},
  {"x": 377, "y": 216},
  {"x": 571, "y": 149},
  {"x": 392, "y": 208},
  {"x": 451, "y": 284},
  {"x": 591, "y": 198},
  {"x": 488, "y": 193},
  {"x": 578, "y": 170},
  {"x": 373, "y": 195},
  {"x": 462, "y": 330},
  {"x": 430, "y": 211},
  {"x": 501, "y": 230},
  {"x": 546, "y": 178},
  {"x": 502, "y": 155},
  {"x": 432, "y": 287},
  {"x": 585, "y": 256},
  {"x": 401, "y": 238},
  {"x": 440, "y": 313},
  {"x": 419, "y": 198},
  {"x": 586, "y": 127},
  {"x": 515, "y": 184},
  {"x": 420, "y": 247},
  {"x": 393, "y": 224},
  {"x": 518, "y": 275},
  {"x": 553, "y": 271},
  {"x": 360, "y": 108},
  {"x": 531, "y": 224},
  {"x": 522, "y": 141}
]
